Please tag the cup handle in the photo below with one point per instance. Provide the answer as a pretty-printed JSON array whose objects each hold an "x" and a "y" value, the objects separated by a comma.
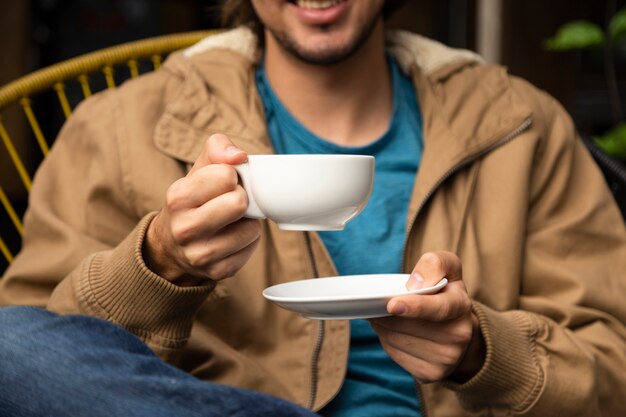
[{"x": 253, "y": 211}]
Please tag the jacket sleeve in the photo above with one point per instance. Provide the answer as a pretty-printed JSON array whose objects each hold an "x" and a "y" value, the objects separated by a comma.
[
  {"x": 82, "y": 241},
  {"x": 564, "y": 348}
]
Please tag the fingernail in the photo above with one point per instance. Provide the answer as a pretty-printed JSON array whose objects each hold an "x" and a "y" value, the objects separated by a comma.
[
  {"x": 233, "y": 150},
  {"x": 416, "y": 281},
  {"x": 398, "y": 309}
]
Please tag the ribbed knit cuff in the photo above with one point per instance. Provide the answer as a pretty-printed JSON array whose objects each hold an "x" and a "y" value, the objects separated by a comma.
[
  {"x": 511, "y": 377},
  {"x": 119, "y": 287}
]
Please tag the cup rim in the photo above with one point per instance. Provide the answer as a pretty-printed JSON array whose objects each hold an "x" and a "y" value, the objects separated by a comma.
[{"x": 312, "y": 156}]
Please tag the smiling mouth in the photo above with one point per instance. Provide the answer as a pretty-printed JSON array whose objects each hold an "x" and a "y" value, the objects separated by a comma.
[{"x": 316, "y": 5}]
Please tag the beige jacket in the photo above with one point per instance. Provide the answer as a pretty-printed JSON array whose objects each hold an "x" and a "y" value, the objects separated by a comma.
[{"x": 503, "y": 182}]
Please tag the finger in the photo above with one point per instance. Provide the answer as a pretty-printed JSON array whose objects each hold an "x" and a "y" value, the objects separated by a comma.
[
  {"x": 449, "y": 304},
  {"x": 233, "y": 238},
  {"x": 422, "y": 369},
  {"x": 447, "y": 354},
  {"x": 218, "y": 149},
  {"x": 215, "y": 214},
  {"x": 454, "y": 331},
  {"x": 201, "y": 186},
  {"x": 229, "y": 241},
  {"x": 432, "y": 267},
  {"x": 230, "y": 265},
  {"x": 413, "y": 346}
]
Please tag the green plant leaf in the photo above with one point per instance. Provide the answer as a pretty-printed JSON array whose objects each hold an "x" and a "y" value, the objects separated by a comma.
[
  {"x": 614, "y": 141},
  {"x": 578, "y": 34},
  {"x": 617, "y": 27}
]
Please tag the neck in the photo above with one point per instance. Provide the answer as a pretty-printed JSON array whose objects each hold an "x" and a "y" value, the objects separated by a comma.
[{"x": 349, "y": 103}]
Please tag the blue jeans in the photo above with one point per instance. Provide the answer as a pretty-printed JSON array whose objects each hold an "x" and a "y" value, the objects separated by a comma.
[{"x": 60, "y": 366}]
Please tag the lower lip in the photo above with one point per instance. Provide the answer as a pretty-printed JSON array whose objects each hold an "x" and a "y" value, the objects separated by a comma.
[{"x": 321, "y": 17}]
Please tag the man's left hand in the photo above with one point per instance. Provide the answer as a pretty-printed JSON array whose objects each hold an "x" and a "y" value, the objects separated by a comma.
[{"x": 434, "y": 337}]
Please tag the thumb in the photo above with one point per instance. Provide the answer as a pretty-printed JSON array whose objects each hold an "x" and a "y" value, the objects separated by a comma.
[
  {"x": 432, "y": 267},
  {"x": 218, "y": 149}
]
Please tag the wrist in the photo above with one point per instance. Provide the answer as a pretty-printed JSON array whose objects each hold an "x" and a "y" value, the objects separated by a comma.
[
  {"x": 474, "y": 357},
  {"x": 157, "y": 259}
]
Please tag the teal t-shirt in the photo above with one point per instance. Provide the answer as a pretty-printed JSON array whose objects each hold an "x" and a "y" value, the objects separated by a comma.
[{"x": 371, "y": 243}]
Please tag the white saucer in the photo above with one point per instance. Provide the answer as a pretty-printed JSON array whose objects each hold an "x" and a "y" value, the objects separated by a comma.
[{"x": 344, "y": 297}]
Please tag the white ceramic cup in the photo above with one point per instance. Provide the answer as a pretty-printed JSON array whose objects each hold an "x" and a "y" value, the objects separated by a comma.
[{"x": 307, "y": 192}]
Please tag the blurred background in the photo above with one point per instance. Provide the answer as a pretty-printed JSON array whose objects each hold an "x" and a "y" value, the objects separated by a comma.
[
  {"x": 585, "y": 69},
  {"x": 36, "y": 33}
]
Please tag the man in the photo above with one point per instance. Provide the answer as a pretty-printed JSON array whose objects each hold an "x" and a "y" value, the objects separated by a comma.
[{"x": 479, "y": 178}]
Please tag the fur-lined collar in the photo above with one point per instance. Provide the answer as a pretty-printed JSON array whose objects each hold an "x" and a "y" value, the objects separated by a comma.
[{"x": 408, "y": 48}]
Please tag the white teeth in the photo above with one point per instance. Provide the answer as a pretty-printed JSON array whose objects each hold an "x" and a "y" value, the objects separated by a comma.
[{"x": 309, "y": 4}]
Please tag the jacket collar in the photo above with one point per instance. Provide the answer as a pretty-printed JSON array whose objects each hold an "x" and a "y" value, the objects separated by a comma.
[
  {"x": 218, "y": 94},
  {"x": 409, "y": 49}
]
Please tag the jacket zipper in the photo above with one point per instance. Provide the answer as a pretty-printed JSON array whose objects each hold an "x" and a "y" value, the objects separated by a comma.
[
  {"x": 320, "y": 332},
  {"x": 420, "y": 398},
  {"x": 321, "y": 329},
  {"x": 471, "y": 158}
]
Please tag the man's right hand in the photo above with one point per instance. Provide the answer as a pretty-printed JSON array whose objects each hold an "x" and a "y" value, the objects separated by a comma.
[{"x": 201, "y": 233}]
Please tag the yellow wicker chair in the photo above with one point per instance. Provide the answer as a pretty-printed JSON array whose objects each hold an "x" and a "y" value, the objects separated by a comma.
[{"x": 81, "y": 70}]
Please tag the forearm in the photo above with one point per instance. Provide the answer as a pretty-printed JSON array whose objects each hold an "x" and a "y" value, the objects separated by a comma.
[
  {"x": 117, "y": 286},
  {"x": 534, "y": 367}
]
